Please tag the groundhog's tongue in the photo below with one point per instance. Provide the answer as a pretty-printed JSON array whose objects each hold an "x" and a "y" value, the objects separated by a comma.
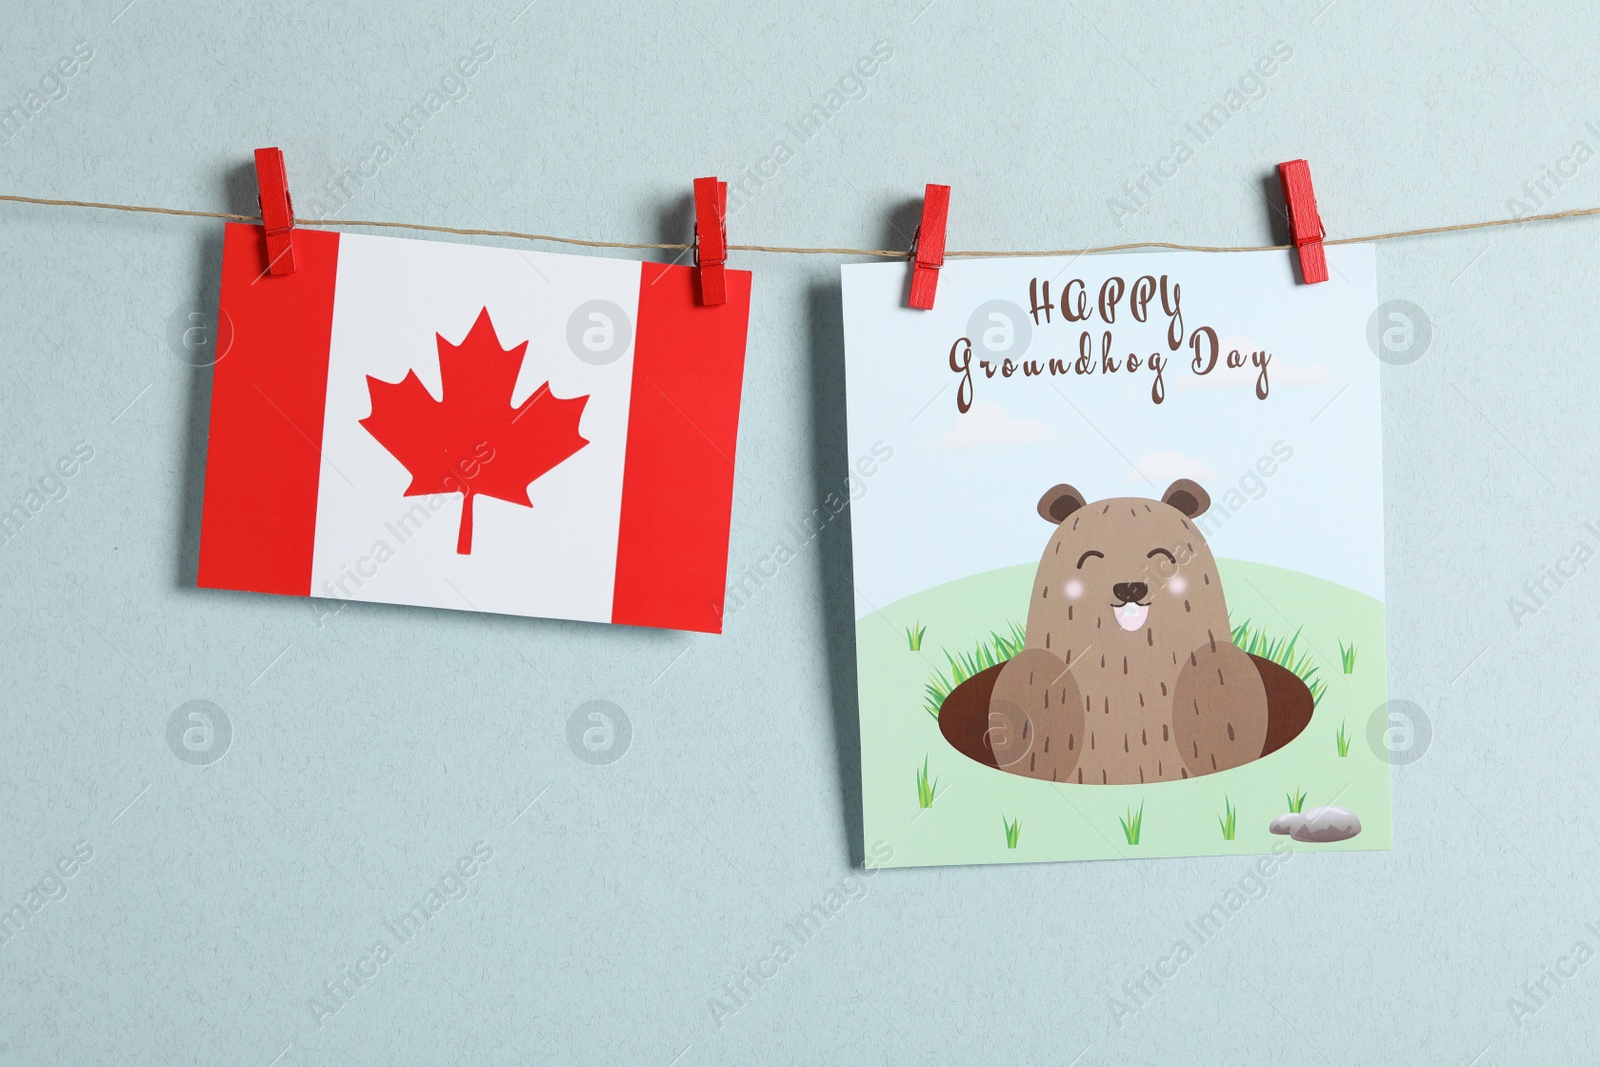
[{"x": 1131, "y": 616}]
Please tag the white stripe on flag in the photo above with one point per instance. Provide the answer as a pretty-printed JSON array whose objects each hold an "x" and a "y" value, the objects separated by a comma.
[{"x": 557, "y": 558}]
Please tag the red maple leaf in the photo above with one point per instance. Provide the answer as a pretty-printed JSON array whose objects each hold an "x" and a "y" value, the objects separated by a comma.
[{"x": 472, "y": 441}]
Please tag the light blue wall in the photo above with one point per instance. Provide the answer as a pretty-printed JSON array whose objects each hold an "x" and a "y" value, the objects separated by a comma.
[{"x": 371, "y": 751}]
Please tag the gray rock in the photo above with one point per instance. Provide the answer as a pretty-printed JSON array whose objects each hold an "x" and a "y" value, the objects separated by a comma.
[
  {"x": 1326, "y": 824},
  {"x": 1287, "y": 823}
]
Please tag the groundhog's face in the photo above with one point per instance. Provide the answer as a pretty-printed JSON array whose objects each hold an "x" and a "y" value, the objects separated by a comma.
[{"x": 1128, "y": 566}]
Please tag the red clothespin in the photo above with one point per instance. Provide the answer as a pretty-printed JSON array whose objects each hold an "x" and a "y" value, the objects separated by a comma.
[
  {"x": 927, "y": 248},
  {"x": 711, "y": 239},
  {"x": 277, "y": 209},
  {"x": 1305, "y": 225}
]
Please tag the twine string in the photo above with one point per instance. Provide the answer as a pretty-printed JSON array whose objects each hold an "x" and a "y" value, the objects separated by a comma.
[{"x": 886, "y": 253}]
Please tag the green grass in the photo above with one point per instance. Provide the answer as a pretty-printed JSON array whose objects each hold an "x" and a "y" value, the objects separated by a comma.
[
  {"x": 1133, "y": 824},
  {"x": 1297, "y": 800},
  {"x": 963, "y": 665},
  {"x": 926, "y": 789},
  {"x": 1281, "y": 652},
  {"x": 896, "y": 734},
  {"x": 999, "y": 647},
  {"x": 1013, "y": 830},
  {"x": 1347, "y": 659},
  {"x": 1230, "y": 823},
  {"x": 915, "y": 631},
  {"x": 1342, "y": 739}
]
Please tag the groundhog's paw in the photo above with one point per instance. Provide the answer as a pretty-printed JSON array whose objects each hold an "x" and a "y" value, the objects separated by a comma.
[
  {"x": 1036, "y": 717},
  {"x": 1219, "y": 709}
]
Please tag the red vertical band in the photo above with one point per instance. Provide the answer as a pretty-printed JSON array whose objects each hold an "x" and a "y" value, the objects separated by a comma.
[
  {"x": 683, "y": 426},
  {"x": 268, "y": 391}
]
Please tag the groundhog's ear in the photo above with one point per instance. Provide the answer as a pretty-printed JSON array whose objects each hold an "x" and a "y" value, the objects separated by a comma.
[
  {"x": 1187, "y": 497},
  {"x": 1058, "y": 502}
]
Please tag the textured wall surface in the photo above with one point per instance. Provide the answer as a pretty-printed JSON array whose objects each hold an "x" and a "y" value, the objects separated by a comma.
[{"x": 626, "y": 912}]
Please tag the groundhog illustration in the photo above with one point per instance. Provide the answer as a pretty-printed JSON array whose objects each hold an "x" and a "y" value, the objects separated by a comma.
[{"x": 1129, "y": 672}]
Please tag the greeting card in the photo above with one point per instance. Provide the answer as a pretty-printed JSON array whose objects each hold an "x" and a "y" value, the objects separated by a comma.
[
  {"x": 476, "y": 428},
  {"x": 1119, "y": 580}
]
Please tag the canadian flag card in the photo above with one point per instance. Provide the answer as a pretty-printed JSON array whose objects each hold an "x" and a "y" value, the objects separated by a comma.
[{"x": 477, "y": 428}]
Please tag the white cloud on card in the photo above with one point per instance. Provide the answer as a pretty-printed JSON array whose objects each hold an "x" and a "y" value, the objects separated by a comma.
[
  {"x": 1165, "y": 466},
  {"x": 988, "y": 425}
]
